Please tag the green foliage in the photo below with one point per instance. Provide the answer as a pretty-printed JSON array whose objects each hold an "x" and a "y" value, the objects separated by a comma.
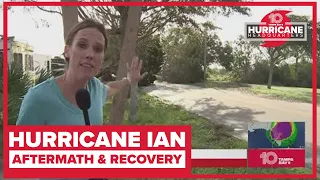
[
  {"x": 217, "y": 52},
  {"x": 259, "y": 73},
  {"x": 248, "y": 66},
  {"x": 184, "y": 48},
  {"x": 112, "y": 55},
  {"x": 154, "y": 20},
  {"x": 225, "y": 57},
  {"x": 304, "y": 76},
  {"x": 148, "y": 49},
  {"x": 241, "y": 59},
  {"x": 307, "y": 45},
  {"x": 42, "y": 75},
  {"x": 18, "y": 85},
  {"x": 299, "y": 49},
  {"x": 220, "y": 75},
  {"x": 152, "y": 55},
  {"x": 284, "y": 74},
  {"x": 58, "y": 65}
]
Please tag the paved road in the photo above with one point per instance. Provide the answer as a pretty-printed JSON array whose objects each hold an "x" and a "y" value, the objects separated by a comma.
[{"x": 235, "y": 108}]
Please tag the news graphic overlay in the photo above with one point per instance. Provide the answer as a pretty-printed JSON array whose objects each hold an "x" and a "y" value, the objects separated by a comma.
[
  {"x": 275, "y": 29},
  {"x": 115, "y": 151},
  {"x": 219, "y": 158},
  {"x": 276, "y": 144}
]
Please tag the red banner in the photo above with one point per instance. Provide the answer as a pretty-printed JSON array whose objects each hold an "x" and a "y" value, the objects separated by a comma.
[
  {"x": 276, "y": 158},
  {"x": 97, "y": 151}
]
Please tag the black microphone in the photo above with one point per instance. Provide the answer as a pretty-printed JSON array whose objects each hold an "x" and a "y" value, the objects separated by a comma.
[{"x": 84, "y": 103}]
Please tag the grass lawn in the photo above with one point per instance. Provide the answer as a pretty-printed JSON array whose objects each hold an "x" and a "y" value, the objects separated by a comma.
[
  {"x": 205, "y": 135},
  {"x": 295, "y": 94},
  {"x": 285, "y": 93}
]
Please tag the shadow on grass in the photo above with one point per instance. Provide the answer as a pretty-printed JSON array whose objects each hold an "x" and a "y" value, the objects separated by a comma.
[{"x": 234, "y": 119}]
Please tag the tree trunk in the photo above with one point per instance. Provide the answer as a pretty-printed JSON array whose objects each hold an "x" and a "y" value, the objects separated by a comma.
[
  {"x": 126, "y": 55},
  {"x": 248, "y": 70},
  {"x": 133, "y": 102},
  {"x": 270, "y": 73},
  {"x": 205, "y": 59},
  {"x": 297, "y": 66},
  {"x": 69, "y": 17}
]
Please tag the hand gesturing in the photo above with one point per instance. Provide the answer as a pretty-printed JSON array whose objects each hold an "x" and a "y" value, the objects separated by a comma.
[{"x": 134, "y": 71}]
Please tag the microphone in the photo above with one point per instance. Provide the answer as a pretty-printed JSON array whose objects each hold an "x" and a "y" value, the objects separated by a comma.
[{"x": 84, "y": 103}]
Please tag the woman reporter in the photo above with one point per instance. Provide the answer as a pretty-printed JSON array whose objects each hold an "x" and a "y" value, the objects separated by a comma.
[{"x": 53, "y": 102}]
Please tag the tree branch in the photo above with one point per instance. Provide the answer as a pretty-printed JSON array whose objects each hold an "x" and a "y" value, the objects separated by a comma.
[
  {"x": 49, "y": 11},
  {"x": 152, "y": 30},
  {"x": 120, "y": 9},
  {"x": 263, "y": 53},
  {"x": 104, "y": 16},
  {"x": 148, "y": 8},
  {"x": 82, "y": 14}
]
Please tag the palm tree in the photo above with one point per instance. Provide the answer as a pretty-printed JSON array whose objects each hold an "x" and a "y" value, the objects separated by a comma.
[
  {"x": 18, "y": 85},
  {"x": 42, "y": 74}
]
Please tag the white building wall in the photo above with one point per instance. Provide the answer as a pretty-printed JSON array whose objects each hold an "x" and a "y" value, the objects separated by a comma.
[{"x": 40, "y": 61}]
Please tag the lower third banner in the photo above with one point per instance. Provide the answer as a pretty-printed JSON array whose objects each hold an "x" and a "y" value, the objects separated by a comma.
[{"x": 97, "y": 152}]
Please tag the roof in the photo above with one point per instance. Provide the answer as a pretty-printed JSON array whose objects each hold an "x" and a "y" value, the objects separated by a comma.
[{"x": 10, "y": 37}]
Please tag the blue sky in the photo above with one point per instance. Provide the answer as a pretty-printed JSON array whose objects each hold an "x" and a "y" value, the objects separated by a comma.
[{"x": 49, "y": 40}]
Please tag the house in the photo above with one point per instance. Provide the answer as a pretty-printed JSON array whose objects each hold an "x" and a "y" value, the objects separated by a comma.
[{"x": 21, "y": 53}]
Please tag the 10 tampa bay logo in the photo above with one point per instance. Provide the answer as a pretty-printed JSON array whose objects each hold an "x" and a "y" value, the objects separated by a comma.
[{"x": 275, "y": 29}]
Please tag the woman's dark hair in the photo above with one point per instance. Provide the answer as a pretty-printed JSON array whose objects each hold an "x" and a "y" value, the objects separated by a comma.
[{"x": 86, "y": 23}]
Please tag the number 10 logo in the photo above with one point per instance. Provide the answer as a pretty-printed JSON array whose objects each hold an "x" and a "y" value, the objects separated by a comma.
[{"x": 269, "y": 158}]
